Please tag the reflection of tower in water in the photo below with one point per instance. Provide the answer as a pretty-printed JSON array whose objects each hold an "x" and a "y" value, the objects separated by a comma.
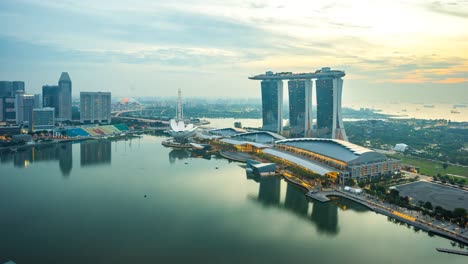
[
  {"x": 269, "y": 190},
  {"x": 64, "y": 152},
  {"x": 296, "y": 200},
  {"x": 59, "y": 152},
  {"x": 95, "y": 152},
  {"x": 325, "y": 217}
]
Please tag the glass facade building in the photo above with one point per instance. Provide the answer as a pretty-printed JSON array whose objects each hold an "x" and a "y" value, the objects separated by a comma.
[
  {"x": 300, "y": 107},
  {"x": 272, "y": 105},
  {"x": 64, "y": 97},
  {"x": 24, "y": 107},
  {"x": 43, "y": 119},
  {"x": 8, "y": 92},
  {"x": 50, "y": 97}
]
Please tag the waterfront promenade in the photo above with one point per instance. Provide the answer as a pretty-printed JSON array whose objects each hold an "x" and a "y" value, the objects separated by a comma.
[{"x": 413, "y": 218}]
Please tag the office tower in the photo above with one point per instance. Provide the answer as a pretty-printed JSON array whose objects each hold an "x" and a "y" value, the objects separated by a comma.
[
  {"x": 329, "y": 117},
  {"x": 50, "y": 97},
  {"x": 8, "y": 92},
  {"x": 43, "y": 119},
  {"x": 272, "y": 105},
  {"x": 300, "y": 108},
  {"x": 95, "y": 107},
  {"x": 64, "y": 98},
  {"x": 37, "y": 101},
  {"x": 329, "y": 87},
  {"x": 6, "y": 88},
  {"x": 17, "y": 86},
  {"x": 24, "y": 105}
]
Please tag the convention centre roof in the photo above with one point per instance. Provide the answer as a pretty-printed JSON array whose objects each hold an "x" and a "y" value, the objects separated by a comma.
[{"x": 335, "y": 149}]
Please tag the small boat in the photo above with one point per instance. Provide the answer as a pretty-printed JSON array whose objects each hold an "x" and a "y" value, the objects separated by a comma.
[{"x": 454, "y": 111}]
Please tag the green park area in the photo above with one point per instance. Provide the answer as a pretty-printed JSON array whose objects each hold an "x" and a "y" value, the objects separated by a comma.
[{"x": 432, "y": 168}]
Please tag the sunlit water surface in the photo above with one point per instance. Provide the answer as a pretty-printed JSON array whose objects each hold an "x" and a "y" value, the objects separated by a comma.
[{"x": 85, "y": 203}]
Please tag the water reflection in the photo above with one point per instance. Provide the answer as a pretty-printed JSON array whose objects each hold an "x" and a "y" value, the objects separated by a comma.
[
  {"x": 96, "y": 152},
  {"x": 269, "y": 191},
  {"x": 295, "y": 200},
  {"x": 178, "y": 154},
  {"x": 53, "y": 152},
  {"x": 323, "y": 215}
]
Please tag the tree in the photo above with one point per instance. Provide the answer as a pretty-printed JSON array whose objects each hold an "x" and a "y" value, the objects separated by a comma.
[
  {"x": 428, "y": 205},
  {"x": 362, "y": 184},
  {"x": 445, "y": 165},
  {"x": 459, "y": 212}
]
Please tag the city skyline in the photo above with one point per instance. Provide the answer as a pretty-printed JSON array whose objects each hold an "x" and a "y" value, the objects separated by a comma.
[{"x": 145, "y": 48}]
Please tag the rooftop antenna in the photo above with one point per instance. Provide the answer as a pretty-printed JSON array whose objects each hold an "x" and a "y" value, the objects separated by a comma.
[{"x": 180, "y": 115}]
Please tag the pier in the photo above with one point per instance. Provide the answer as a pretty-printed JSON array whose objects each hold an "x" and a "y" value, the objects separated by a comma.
[{"x": 452, "y": 251}]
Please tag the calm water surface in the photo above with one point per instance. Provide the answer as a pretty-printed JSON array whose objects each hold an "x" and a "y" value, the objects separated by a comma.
[{"x": 85, "y": 203}]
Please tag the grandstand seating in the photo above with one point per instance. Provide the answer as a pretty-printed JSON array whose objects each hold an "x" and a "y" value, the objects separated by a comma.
[
  {"x": 95, "y": 130},
  {"x": 122, "y": 127}
]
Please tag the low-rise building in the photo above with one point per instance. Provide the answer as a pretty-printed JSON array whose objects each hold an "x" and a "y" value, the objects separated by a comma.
[{"x": 346, "y": 159}]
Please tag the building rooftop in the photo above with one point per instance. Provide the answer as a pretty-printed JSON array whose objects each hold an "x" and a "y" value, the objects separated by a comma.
[
  {"x": 324, "y": 72},
  {"x": 308, "y": 164},
  {"x": 226, "y": 132},
  {"x": 239, "y": 143},
  {"x": 64, "y": 77},
  {"x": 264, "y": 137},
  {"x": 335, "y": 149}
]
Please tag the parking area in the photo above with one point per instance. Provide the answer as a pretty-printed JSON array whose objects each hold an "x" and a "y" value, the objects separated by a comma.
[{"x": 439, "y": 195}]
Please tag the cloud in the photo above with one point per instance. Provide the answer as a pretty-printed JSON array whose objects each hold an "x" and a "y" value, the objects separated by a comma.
[
  {"x": 451, "y": 8},
  {"x": 238, "y": 38},
  {"x": 452, "y": 80}
]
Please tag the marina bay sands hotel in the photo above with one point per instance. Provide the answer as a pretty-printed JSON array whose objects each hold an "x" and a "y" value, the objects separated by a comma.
[{"x": 328, "y": 86}]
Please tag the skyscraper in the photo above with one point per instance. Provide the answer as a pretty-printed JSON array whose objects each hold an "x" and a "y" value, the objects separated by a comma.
[
  {"x": 50, "y": 97},
  {"x": 8, "y": 92},
  {"x": 329, "y": 118},
  {"x": 59, "y": 97},
  {"x": 272, "y": 105},
  {"x": 300, "y": 107},
  {"x": 65, "y": 101},
  {"x": 329, "y": 87},
  {"x": 95, "y": 106},
  {"x": 24, "y": 105},
  {"x": 37, "y": 101}
]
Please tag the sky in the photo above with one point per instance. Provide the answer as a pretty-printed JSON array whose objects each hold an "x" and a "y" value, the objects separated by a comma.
[{"x": 414, "y": 50}]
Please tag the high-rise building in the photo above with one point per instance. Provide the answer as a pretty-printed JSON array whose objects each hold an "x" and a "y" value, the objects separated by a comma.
[
  {"x": 329, "y": 117},
  {"x": 272, "y": 105},
  {"x": 8, "y": 92},
  {"x": 24, "y": 105},
  {"x": 6, "y": 88},
  {"x": 95, "y": 107},
  {"x": 17, "y": 86},
  {"x": 300, "y": 108},
  {"x": 59, "y": 97},
  {"x": 329, "y": 85},
  {"x": 43, "y": 119},
  {"x": 64, "y": 97},
  {"x": 37, "y": 101},
  {"x": 50, "y": 97}
]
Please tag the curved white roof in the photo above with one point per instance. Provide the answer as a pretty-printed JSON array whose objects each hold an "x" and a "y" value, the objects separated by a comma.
[
  {"x": 178, "y": 129},
  {"x": 334, "y": 148}
]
